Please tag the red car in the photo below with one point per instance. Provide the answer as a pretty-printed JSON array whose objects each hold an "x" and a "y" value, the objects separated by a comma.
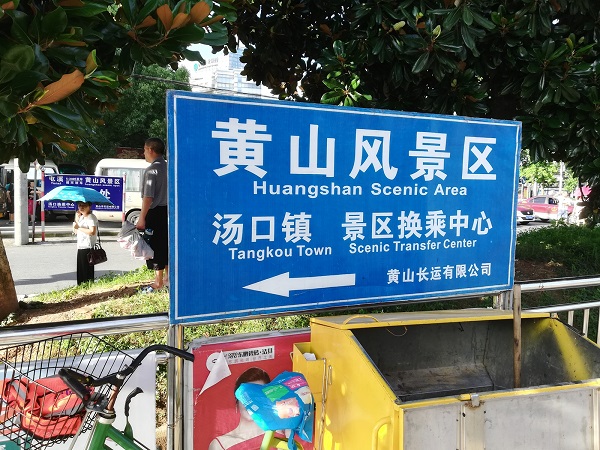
[{"x": 545, "y": 207}]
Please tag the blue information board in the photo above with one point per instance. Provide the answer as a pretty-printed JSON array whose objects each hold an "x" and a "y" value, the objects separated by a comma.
[
  {"x": 110, "y": 187},
  {"x": 280, "y": 207}
]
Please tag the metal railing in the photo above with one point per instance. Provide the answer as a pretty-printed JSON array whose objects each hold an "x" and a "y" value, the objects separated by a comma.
[
  {"x": 567, "y": 283},
  {"x": 98, "y": 327}
]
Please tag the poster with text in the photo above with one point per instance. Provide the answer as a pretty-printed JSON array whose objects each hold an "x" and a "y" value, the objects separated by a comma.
[{"x": 221, "y": 364}]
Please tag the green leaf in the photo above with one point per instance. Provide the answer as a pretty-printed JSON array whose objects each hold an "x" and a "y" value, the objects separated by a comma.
[
  {"x": 95, "y": 92},
  {"x": 19, "y": 29},
  {"x": 532, "y": 26},
  {"x": 191, "y": 55},
  {"x": 333, "y": 84},
  {"x": 104, "y": 78},
  {"x": 560, "y": 51},
  {"x": 215, "y": 38},
  {"x": 467, "y": 16},
  {"x": 89, "y": 9},
  {"x": 8, "y": 109},
  {"x": 59, "y": 116},
  {"x": 557, "y": 95},
  {"x": 136, "y": 52},
  {"x": 570, "y": 94},
  {"x": 17, "y": 59},
  {"x": 488, "y": 25},
  {"x": 126, "y": 63},
  {"x": 338, "y": 48},
  {"x": 72, "y": 56},
  {"x": 54, "y": 22},
  {"x": 27, "y": 81},
  {"x": 21, "y": 131},
  {"x": 447, "y": 47},
  {"x": 396, "y": 44},
  {"x": 451, "y": 19},
  {"x": 421, "y": 63},
  {"x": 585, "y": 49},
  {"x": 546, "y": 98},
  {"x": 190, "y": 33},
  {"x": 545, "y": 22},
  {"x": 378, "y": 47},
  {"x": 331, "y": 98},
  {"x": 129, "y": 9},
  {"x": 149, "y": 7},
  {"x": 548, "y": 47},
  {"x": 467, "y": 38}
]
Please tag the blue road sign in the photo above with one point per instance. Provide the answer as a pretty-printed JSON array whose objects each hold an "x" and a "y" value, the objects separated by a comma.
[
  {"x": 110, "y": 187},
  {"x": 279, "y": 207}
]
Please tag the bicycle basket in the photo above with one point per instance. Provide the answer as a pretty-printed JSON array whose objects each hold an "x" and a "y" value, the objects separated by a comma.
[{"x": 37, "y": 410}]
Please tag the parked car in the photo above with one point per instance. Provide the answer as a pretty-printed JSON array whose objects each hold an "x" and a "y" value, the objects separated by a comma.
[
  {"x": 524, "y": 214},
  {"x": 545, "y": 207}
]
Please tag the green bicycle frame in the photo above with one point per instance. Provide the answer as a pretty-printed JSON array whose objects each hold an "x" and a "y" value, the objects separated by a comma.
[{"x": 104, "y": 429}]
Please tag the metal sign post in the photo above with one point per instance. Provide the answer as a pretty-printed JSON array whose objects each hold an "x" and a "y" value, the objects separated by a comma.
[{"x": 280, "y": 207}]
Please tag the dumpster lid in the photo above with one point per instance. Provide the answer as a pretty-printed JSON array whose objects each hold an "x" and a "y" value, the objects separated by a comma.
[{"x": 353, "y": 321}]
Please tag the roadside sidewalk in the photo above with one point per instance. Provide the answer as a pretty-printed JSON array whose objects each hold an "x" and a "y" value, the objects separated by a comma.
[{"x": 62, "y": 229}]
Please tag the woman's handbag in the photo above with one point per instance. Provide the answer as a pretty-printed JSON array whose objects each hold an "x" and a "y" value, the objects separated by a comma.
[{"x": 97, "y": 254}]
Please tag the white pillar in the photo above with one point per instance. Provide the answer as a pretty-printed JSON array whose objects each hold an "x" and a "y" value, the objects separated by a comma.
[{"x": 21, "y": 219}]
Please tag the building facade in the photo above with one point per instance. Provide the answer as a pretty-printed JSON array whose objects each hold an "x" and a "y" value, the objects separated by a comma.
[{"x": 222, "y": 75}]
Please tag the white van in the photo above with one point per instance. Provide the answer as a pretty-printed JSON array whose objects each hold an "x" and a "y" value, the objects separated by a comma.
[
  {"x": 133, "y": 169},
  {"x": 49, "y": 169}
]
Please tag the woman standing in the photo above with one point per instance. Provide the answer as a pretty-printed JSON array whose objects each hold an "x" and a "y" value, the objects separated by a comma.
[{"x": 86, "y": 227}]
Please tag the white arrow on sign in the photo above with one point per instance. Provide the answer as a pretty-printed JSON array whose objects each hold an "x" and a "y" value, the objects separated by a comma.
[{"x": 283, "y": 284}]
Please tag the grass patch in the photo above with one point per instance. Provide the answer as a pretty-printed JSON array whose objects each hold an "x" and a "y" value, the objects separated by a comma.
[
  {"x": 106, "y": 282},
  {"x": 574, "y": 250}
]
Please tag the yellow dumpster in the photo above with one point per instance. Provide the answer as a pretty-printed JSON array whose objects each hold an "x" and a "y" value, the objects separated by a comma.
[{"x": 444, "y": 380}]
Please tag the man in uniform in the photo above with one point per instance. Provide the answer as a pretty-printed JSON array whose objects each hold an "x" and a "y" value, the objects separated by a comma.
[{"x": 154, "y": 217}]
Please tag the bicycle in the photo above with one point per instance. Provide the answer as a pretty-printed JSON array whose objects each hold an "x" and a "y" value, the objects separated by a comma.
[{"x": 47, "y": 401}]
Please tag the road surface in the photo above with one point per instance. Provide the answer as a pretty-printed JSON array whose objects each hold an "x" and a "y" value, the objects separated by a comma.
[{"x": 47, "y": 266}]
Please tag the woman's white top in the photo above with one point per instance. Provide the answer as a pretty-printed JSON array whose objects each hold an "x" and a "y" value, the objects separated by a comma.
[{"x": 85, "y": 240}]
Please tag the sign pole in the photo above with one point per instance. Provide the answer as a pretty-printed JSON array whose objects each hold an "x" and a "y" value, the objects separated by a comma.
[
  {"x": 34, "y": 200},
  {"x": 123, "y": 209},
  {"x": 43, "y": 210}
]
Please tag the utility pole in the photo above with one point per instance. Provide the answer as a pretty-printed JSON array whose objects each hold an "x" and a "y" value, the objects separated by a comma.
[{"x": 561, "y": 176}]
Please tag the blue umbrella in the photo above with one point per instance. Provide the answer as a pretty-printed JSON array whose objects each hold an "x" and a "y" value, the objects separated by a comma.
[{"x": 76, "y": 194}]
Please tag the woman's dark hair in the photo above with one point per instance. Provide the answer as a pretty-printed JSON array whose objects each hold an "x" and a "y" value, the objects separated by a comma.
[{"x": 250, "y": 375}]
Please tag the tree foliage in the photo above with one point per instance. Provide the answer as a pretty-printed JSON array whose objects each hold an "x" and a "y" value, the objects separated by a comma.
[
  {"x": 62, "y": 62},
  {"x": 140, "y": 112},
  {"x": 543, "y": 173},
  {"x": 531, "y": 60}
]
